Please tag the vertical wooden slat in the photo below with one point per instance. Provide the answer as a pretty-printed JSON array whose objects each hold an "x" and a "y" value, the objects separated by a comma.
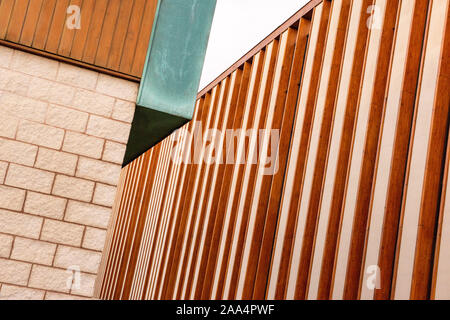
[
  {"x": 129, "y": 47},
  {"x": 300, "y": 146},
  {"x": 278, "y": 273},
  {"x": 17, "y": 20},
  {"x": 30, "y": 23},
  {"x": 43, "y": 25},
  {"x": 6, "y": 8},
  {"x": 268, "y": 221},
  {"x": 147, "y": 243},
  {"x": 441, "y": 278},
  {"x": 114, "y": 232},
  {"x": 175, "y": 215},
  {"x": 237, "y": 249},
  {"x": 377, "y": 106},
  {"x": 319, "y": 141},
  {"x": 139, "y": 214},
  {"x": 387, "y": 195},
  {"x": 120, "y": 33},
  {"x": 199, "y": 155},
  {"x": 420, "y": 148},
  {"x": 434, "y": 174},
  {"x": 81, "y": 35},
  {"x": 259, "y": 200},
  {"x": 175, "y": 256},
  {"x": 57, "y": 26},
  {"x": 285, "y": 140},
  {"x": 219, "y": 210},
  {"x": 344, "y": 95},
  {"x": 338, "y": 153},
  {"x": 240, "y": 156},
  {"x": 200, "y": 197},
  {"x": 144, "y": 37},
  {"x": 67, "y": 37},
  {"x": 359, "y": 135},
  {"x": 223, "y": 112},
  {"x": 113, "y": 34},
  {"x": 95, "y": 29},
  {"x": 107, "y": 33},
  {"x": 226, "y": 119}
]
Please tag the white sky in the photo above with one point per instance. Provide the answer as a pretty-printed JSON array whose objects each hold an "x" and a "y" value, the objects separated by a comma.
[{"x": 238, "y": 26}]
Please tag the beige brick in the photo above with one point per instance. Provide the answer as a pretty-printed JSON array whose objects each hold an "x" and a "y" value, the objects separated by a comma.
[
  {"x": 73, "y": 188},
  {"x": 94, "y": 239},
  {"x": 20, "y": 224},
  {"x": 86, "y": 260},
  {"x": 20, "y": 293},
  {"x": 51, "y": 91},
  {"x": 56, "y": 161},
  {"x": 14, "y": 272},
  {"x": 5, "y": 56},
  {"x": 86, "y": 287},
  {"x": 118, "y": 88},
  {"x": 60, "y": 296},
  {"x": 5, "y": 245},
  {"x": 114, "y": 152},
  {"x": 108, "y": 129},
  {"x": 3, "y": 167},
  {"x": 29, "y": 178},
  {"x": 93, "y": 102},
  {"x": 15, "y": 82},
  {"x": 34, "y": 65},
  {"x": 50, "y": 279},
  {"x": 87, "y": 214},
  {"x": 44, "y": 205},
  {"x": 11, "y": 198},
  {"x": 104, "y": 195},
  {"x": 62, "y": 232},
  {"x": 67, "y": 118},
  {"x": 17, "y": 152},
  {"x": 123, "y": 111},
  {"x": 8, "y": 125},
  {"x": 22, "y": 107},
  {"x": 33, "y": 251},
  {"x": 76, "y": 76},
  {"x": 83, "y": 145},
  {"x": 40, "y": 134},
  {"x": 98, "y": 171}
]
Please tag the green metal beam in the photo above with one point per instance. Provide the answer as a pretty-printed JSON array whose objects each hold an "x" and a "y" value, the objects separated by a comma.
[{"x": 172, "y": 72}]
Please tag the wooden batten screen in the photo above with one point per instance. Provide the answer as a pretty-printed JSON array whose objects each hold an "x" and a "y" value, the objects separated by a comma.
[
  {"x": 358, "y": 92},
  {"x": 110, "y": 35}
]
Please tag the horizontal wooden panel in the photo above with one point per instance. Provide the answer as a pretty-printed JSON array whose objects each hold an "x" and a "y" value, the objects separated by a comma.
[{"x": 110, "y": 35}]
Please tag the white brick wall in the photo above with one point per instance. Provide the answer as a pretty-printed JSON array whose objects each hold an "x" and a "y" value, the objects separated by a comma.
[{"x": 63, "y": 132}]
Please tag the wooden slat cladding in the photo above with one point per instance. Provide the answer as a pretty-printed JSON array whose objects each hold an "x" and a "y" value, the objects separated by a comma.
[
  {"x": 357, "y": 204},
  {"x": 113, "y": 34}
]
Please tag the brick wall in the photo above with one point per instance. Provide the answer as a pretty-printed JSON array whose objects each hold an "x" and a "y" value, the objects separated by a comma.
[{"x": 63, "y": 131}]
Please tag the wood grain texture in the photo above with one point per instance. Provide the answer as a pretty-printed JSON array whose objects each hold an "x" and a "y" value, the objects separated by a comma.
[
  {"x": 363, "y": 120},
  {"x": 114, "y": 34}
]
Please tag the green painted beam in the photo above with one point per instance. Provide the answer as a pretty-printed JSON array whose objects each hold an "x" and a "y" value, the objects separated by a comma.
[{"x": 172, "y": 72}]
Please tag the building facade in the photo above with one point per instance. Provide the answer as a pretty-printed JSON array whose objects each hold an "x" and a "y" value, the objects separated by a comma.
[
  {"x": 316, "y": 167},
  {"x": 69, "y": 79}
]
